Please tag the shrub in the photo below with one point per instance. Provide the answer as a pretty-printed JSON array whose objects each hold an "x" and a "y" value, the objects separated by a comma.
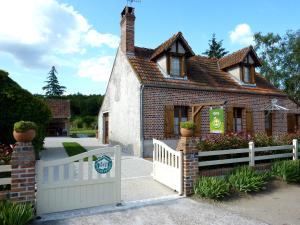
[
  {"x": 6, "y": 152},
  {"x": 15, "y": 213},
  {"x": 223, "y": 142},
  {"x": 263, "y": 140},
  {"x": 211, "y": 187},
  {"x": 245, "y": 179},
  {"x": 288, "y": 171},
  {"x": 18, "y": 104},
  {"x": 23, "y": 126},
  {"x": 287, "y": 139},
  {"x": 188, "y": 125}
]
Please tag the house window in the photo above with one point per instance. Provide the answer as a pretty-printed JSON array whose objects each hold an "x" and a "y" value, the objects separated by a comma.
[
  {"x": 175, "y": 66},
  {"x": 247, "y": 75},
  {"x": 180, "y": 115},
  {"x": 237, "y": 120}
]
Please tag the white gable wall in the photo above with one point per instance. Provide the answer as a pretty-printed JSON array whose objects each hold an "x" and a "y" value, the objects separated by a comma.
[
  {"x": 235, "y": 71},
  {"x": 122, "y": 102}
]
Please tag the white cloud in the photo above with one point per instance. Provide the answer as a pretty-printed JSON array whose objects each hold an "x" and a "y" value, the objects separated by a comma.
[
  {"x": 96, "y": 39},
  {"x": 98, "y": 69},
  {"x": 242, "y": 35},
  {"x": 34, "y": 30}
]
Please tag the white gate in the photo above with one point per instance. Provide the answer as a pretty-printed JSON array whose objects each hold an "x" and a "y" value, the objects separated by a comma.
[
  {"x": 167, "y": 166},
  {"x": 74, "y": 183}
]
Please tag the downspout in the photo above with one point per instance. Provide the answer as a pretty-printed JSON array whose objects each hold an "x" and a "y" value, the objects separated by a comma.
[{"x": 142, "y": 120}]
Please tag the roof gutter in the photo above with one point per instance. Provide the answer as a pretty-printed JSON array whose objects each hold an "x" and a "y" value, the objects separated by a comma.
[{"x": 213, "y": 90}]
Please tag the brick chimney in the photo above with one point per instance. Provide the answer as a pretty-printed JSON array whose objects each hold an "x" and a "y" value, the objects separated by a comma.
[{"x": 127, "y": 30}]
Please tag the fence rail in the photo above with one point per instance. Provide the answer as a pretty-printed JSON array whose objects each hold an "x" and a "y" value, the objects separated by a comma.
[
  {"x": 3, "y": 169},
  {"x": 252, "y": 158}
]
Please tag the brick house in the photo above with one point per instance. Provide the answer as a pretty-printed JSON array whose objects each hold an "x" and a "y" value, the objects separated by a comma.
[
  {"x": 151, "y": 91},
  {"x": 61, "y": 114}
]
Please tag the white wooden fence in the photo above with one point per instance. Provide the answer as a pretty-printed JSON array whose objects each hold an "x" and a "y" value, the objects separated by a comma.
[
  {"x": 3, "y": 169},
  {"x": 167, "y": 165},
  {"x": 252, "y": 158},
  {"x": 73, "y": 183}
]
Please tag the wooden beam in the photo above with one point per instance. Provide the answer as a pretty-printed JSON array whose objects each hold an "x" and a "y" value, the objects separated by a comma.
[
  {"x": 210, "y": 103},
  {"x": 197, "y": 110}
]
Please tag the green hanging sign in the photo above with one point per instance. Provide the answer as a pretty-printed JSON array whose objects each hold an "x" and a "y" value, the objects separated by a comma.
[{"x": 216, "y": 121}]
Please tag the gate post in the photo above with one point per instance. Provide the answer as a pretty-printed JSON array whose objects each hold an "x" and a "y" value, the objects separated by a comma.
[
  {"x": 190, "y": 163},
  {"x": 23, "y": 173}
]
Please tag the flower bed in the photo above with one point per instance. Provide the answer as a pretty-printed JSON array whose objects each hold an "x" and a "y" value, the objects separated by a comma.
[{"x": 240, "y": 140}]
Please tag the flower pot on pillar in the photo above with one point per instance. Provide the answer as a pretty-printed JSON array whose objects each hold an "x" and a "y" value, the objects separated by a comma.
[
  {"x": 187, "y": 129},
  {"x": 24, "y": 131}
]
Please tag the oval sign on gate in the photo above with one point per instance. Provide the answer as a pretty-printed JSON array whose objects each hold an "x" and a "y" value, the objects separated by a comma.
[{"x": 103, "y": 164}]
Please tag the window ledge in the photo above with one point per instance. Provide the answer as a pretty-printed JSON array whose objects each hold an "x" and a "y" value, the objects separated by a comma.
[
  {"x": 247, "y": 84},
  {"x": 175, "y": 77}
]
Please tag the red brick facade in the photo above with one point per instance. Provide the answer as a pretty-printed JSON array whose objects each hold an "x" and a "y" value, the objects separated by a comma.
[
  {"x": 155, "y": 99},
  {"x": 22, "y": 175}
]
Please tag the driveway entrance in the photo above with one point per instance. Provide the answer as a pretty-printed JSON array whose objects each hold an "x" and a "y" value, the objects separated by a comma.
[{"x": 137, "y": 183}]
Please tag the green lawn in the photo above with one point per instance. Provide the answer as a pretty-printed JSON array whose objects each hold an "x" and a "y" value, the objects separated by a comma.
[
  {"x": 89, "y": 133},
  {"x": 73, "y": 148}
]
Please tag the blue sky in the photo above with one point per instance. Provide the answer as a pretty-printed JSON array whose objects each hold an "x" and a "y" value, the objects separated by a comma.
[{"x": 81, "y": 37}]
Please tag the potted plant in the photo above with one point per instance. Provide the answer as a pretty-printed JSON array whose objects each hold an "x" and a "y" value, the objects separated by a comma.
[
  {"x": 24, "y": 131},
  {"x": 187, "y": 128}
]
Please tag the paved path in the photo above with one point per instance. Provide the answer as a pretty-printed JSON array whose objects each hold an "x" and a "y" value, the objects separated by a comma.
[{"x": 182, "y": 211}]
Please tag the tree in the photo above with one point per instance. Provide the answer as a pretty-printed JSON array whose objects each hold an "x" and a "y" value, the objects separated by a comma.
[
  {"x": 53, "y": 88},
  {"x": 18, "y": 104},
  {"x": 280, "y": 56},
  {"x": 215, "y": 48}
]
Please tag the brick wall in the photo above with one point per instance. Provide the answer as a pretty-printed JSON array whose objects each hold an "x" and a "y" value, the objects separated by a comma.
[
  {"x": 156, "y": 98},
  {"x": 23, "y": 173}
]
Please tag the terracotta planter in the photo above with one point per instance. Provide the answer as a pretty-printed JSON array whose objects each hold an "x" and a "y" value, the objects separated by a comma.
[
  {"x": 186, "y": 132},
  {"x": 26, "y": 136}
]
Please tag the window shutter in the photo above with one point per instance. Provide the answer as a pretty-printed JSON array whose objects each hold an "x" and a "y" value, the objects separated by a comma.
[
  {"x": 249, "y": 121},
  {"x": 182, "y": 66},
  {"x": 242, "y": 73},
  {"x": 291, "y": 123},
  {"x": 230, "y": 119},
  {"x": 252, "y": 72},
  {"x": 169, "y": 121},
  {"x": 197, "y": 121},
  {"x": 168, "y": 64}
]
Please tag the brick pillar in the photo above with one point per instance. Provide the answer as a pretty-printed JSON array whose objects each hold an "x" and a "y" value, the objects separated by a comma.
[
  {"x": 190, "y": 163},
  {"x": 23, "y": 173}
]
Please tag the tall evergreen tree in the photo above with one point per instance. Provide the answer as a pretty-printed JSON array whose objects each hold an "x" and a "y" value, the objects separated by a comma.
[
  {"x": 215, "y": 48},
  {"x": 53, "y": 88}
]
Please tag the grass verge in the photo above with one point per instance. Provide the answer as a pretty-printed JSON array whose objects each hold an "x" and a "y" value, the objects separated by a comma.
[
  {"x": 87, "y": 132},
  {"x": 74, "y": 148}
]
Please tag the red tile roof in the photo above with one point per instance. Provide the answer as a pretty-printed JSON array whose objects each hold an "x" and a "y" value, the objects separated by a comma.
[
  {"x": 237, "y": 57},
  {"x": 167, "y": 44},
  {"x": 60, "y": 108},
  {"x": 202, "y": 73}
]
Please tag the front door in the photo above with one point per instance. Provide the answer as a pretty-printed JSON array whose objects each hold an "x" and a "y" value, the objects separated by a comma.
[
  {"x": 106, "y": 128},
  {"x": 268, "y": 123}
]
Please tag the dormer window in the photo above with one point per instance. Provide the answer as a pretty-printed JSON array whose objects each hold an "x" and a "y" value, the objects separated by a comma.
[
  {"x": 176, "y": 67},
  {"x": 248, "y": 74}
]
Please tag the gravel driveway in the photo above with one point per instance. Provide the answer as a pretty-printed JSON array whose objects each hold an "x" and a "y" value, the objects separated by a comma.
[{"x": 182, "y": 211}]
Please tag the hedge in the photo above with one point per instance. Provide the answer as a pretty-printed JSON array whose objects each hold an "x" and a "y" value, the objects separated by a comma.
[{"x": 18, "y": 104}]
